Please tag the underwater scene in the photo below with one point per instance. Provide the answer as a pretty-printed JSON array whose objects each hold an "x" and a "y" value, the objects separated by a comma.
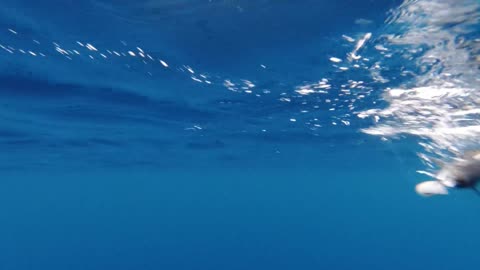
[{"x": 237, "y": 134}]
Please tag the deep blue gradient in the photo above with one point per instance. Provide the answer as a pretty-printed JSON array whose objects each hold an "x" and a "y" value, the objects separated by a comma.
[{"x": 122, "y": 163}]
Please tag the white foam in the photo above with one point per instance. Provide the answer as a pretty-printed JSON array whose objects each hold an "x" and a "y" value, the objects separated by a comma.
[{"x": 441, "y": 103}]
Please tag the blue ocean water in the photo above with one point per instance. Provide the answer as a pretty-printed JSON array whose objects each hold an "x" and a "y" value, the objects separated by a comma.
[{"x": 234, "y": 134}]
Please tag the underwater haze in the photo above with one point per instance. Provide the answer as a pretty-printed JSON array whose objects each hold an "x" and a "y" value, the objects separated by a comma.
[{"x": 236, "y": 134}]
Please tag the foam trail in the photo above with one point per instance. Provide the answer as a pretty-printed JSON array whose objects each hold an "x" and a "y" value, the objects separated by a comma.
[{"x": 441, "y": 103}]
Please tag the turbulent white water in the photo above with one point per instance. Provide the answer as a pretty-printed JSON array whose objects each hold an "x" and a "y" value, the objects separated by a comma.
[{"x": 439, "y": 43}]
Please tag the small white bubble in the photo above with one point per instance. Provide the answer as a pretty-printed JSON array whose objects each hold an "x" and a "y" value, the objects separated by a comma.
[
  {"x": 91, "y": 47},
  {"x": 163, "y": 63},
  {"x": 335, "y": 59}
]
